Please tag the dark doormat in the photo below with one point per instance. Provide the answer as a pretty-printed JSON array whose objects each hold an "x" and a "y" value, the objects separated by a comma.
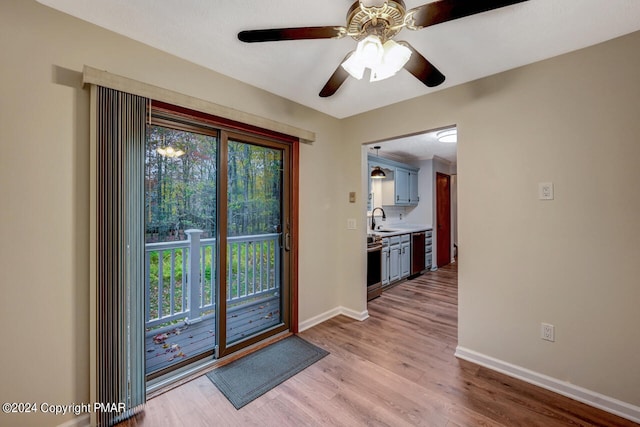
[{"x": 247, "y": 378}]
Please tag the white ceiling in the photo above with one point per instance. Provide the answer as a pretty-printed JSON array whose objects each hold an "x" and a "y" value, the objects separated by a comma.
[
  {"x": 423, "y": 146},
  {"x": 205, "y": 32}
]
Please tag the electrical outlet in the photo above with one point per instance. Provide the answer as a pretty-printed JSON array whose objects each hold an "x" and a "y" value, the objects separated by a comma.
[
  {"x": 351, "y": 224},
  {"x": 545, "y": 190},
  {"x": 547, "y": 332}
]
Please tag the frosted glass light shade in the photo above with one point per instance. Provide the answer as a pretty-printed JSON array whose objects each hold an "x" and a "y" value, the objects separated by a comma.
[{"x": 384, "y": 61}]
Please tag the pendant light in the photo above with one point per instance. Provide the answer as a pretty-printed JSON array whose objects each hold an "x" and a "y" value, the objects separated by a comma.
[{"x": 377, "y": 172}]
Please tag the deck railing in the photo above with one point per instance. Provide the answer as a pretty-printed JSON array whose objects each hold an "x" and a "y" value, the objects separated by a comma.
[{"x": 182, "y": 287}]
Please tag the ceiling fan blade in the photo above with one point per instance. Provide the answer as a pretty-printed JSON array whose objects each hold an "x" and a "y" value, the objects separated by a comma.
[
  {"x": 338, "y": 77},
  {"x": 448, "y": 10},
  {"x": 422, "y": 69},
  {"x": 301, "y": 33}
]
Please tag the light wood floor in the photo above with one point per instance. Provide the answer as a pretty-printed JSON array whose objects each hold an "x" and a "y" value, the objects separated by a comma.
[{"x": 397, "y": 368}]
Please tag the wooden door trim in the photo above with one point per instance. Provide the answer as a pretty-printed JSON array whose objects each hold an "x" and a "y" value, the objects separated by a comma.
[
  {"x": 295, "y": 211},
  {"x": 439, "y": 254}
]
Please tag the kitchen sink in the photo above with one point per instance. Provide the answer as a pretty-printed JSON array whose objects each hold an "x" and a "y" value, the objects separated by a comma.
[{"x": 386, "y": 231}]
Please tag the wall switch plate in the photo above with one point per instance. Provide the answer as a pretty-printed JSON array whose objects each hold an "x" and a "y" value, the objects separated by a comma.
[
  {"x": 545, "y": 190},
  {"x": 547, "y": 332},
  {"x": 351, "y": 224},
  {"x": 352, "y": 197}
]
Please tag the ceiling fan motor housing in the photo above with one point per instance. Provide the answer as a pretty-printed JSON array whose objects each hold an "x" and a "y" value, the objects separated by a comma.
[{"x": 384, "y": 21}]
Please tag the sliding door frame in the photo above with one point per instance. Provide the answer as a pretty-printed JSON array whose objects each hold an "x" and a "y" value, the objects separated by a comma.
[
  {"x": 195, "y": 121},
  {"x": 287, "y": 213}
]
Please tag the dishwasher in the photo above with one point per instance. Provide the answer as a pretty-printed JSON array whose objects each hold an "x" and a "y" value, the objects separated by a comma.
[
  {"x": 417, "y": 253},
  {"x": 374, "y": 268}
]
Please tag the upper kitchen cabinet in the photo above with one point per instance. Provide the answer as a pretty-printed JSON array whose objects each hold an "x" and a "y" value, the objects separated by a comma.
[
  {"x": 414, "y": 196},
  {"x": 406, "y": 187},
  {"x": 398, "y": 188}
]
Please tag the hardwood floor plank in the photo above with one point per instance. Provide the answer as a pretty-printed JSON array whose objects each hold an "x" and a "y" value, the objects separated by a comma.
[{"x": 396, "y": 368}]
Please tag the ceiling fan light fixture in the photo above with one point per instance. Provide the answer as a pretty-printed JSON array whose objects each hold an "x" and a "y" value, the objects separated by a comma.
[
  {"x": 169, "y": 152},
  {"x": 368, "y": 54},
  {"x": 384, "y": 60},
  {"x": 354, "y": 66},
  {"x": 449, "y": 136},
  {"x": 394, "y": 58},
  {"x": 370, "y": 51},
  {"x": 371, "y": 22},
  {"x": 396, "y": 54}
]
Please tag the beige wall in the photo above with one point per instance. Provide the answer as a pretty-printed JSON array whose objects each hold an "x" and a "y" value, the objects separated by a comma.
[
  {"x": 572, "y": 262},
  {"x": 44, "y": 195}
]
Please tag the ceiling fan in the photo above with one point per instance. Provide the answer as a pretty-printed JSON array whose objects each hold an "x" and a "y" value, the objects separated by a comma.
[{"x": 374, "y": 23}]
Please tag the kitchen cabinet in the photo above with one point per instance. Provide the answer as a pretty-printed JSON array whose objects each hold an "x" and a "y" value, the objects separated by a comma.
[
  {"x": 385, "y": 262},
  {"x": 398, "y": 188},
  {"x": 428, "y": 249},
  {"x": 370, "y": 200},
  {"x": 396, "y": 258},
  {"x": 405, "y": 256},
  {"x": 414, "y": 196},
  {"x": 401, "y": 186},
  {"x": 406, "y": 187},
  {"x": 398, "y": 254}
]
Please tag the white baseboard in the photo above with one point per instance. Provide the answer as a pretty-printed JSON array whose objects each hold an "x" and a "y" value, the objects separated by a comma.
[
  {"x": 83, "y": 420},
  {"x": 591, "y": 398},
  {"x": 332, "y": 313}
]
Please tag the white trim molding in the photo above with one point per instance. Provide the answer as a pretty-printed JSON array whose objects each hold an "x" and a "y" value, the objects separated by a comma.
[
  {"x": 316, "y": 320},
  {"x": 572, "y": 391}
]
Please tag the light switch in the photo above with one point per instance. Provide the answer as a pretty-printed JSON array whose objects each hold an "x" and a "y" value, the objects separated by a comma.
[
  {"x": 545, "y": 190},
  {"x": 352, "y": 197}
]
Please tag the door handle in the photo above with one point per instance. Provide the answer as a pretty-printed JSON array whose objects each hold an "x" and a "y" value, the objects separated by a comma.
[{"x": 287, "y": 242}]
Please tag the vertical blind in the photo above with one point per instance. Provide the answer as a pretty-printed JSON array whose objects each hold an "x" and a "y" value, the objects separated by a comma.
[{"x": 120, "y": 143}]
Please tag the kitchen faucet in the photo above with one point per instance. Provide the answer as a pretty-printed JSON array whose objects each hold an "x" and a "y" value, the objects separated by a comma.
[{"x": 373, "y": 220}]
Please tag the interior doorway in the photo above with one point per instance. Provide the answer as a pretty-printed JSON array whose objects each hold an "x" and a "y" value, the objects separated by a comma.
[{"x": 443, "y": 219}]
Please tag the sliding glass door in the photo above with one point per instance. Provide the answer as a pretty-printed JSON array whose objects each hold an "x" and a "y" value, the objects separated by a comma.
[
  {"x": 180, "y": 246},
  {"x": 257, "y": 239},
  {"x": 217, "y": 221}
]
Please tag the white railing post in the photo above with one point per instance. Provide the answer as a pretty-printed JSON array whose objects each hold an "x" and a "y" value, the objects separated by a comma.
[{"x": 193, "y": 278}]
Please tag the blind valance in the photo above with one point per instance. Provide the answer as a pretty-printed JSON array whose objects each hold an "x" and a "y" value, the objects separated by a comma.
[{"x": 103, "y": 78}]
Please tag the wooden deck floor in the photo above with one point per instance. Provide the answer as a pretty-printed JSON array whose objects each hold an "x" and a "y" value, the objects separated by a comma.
[{"x": 183, "y": 341}]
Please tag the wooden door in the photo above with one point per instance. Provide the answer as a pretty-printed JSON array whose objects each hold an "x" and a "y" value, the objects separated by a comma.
[{"x": 443, "y": 219}]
